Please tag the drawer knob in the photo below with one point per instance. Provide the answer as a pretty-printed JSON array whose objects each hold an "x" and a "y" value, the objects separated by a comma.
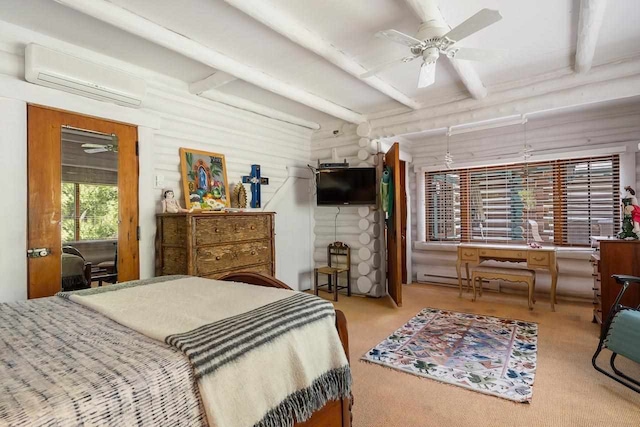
[
  {"x": 253, "y": 252},
  {"x": 215, "y": 230},
  {"x": 538, "y": 258},
  {"x": 468, "y": 253},
  {"x": 218, "y": 257},
  {"x": 253, "y": 227}
]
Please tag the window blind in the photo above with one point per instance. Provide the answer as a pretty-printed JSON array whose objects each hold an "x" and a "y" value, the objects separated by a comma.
[
  {"x": 562, "y": 202},
  {"x": 442, "y": 193},
  {"x": 590, "y": 200}
]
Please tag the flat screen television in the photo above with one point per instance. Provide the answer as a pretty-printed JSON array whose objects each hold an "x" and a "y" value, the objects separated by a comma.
[{"x": 351, "y": 186}]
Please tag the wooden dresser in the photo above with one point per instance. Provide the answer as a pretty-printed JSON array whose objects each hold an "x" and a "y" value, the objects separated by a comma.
[
  {"x": 614, "y": 257},
  {"x": 212, "y": 244}
]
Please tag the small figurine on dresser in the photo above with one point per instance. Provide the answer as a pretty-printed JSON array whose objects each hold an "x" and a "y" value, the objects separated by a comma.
[
  {"x": 631, "y": 221},
  {"x": 239, "y": 197},
  {"x": 170, "y": 204}
]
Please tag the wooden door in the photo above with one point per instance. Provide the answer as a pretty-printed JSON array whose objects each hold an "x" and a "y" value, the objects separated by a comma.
[
  {"x": 44, "y": 195},
  {"x": 394, "y": 227}
]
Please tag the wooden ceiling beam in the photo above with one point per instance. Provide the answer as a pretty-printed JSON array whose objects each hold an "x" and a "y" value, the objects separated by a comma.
[
  {"x": 292, "y": 29},
  {"x": 591, "y": 16},
  {"x": 148, "y": 30},
  {"x": 214, "y": 81},
  {"x": 245, "y": 104}
]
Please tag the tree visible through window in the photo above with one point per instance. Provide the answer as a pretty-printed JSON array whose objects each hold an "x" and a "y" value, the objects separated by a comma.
[
  {"x": 89, "y": 212},
  {"x": 562, "y": 202}
]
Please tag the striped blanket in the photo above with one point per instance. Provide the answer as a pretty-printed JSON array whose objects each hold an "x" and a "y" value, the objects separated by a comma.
[
  {"x": 62, "y": 364},
  {"x": 261, "y": 356}
]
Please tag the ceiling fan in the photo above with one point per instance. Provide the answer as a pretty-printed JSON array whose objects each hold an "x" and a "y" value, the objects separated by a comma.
[
  {"x": 429, "y": 45},
  {"x": 100, "y": 148}
]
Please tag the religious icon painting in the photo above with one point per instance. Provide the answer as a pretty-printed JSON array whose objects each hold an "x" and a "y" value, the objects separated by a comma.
[{"x": 204, "y": 180}]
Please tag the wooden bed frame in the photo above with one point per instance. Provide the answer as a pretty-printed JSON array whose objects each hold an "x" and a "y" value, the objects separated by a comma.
[{"x": 336, "y": 413}]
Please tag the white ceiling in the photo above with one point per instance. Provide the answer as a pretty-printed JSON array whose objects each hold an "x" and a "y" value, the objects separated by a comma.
[{"x": 540, "y": 36}]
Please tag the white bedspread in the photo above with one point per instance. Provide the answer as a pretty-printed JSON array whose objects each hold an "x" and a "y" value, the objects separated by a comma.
[{"x": 262, "y": 356}]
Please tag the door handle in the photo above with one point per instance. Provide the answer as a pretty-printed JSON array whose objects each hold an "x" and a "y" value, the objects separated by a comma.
[{"x": 38, "y": 252}]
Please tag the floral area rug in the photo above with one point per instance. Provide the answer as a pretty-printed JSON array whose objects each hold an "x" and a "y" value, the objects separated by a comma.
[{"x": 482, "y": 353}]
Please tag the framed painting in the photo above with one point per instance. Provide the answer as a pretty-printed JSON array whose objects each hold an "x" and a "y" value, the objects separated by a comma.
[{"x": 204, "y": 180}]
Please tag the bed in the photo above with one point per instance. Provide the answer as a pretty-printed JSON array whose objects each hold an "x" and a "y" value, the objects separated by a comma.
[{"x": 65, "y": 361}]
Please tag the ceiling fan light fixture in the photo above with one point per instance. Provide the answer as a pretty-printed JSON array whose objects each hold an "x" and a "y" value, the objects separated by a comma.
[
  {"x": 431, "y": 54},
  {"x": 435, "y": 37}
]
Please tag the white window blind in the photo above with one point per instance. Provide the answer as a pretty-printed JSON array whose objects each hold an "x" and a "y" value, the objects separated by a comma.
[
  {"x": 591, "y": 199},
  {"x": 442, "y": 192},
  {"x": 560, "y": 202}
]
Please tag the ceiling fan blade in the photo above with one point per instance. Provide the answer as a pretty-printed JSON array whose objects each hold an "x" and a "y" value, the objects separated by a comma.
[
  {"x": 477, "y": 22},
  {"x": 90, "y": 145},
  {"x": 398, "y": 37},
  {"x": 427, "y": 74},
  {"x": 473, "y": 54},
  {"x": 384, "y": 65},
  {"x": 95, "y": 150}
]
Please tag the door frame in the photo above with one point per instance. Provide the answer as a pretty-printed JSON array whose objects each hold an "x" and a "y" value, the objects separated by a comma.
[{"x": 44, "y": 126}]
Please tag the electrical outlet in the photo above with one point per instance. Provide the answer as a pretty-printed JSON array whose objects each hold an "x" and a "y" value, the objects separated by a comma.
[{"x": 159, "y": 181}]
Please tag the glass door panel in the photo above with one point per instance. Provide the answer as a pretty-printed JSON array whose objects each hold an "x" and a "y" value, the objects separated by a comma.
[{"x": 89, "y": 205}]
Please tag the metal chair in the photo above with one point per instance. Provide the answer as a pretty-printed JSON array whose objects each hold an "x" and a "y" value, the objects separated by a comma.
[
  {"x": 107, "y": 271},
  {"x": 336, "y": 252},
  {"x": 621, "y": 335}
]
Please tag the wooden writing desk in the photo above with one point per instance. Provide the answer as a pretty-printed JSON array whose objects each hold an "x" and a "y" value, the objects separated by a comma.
[{"x": 536, "y": 259}]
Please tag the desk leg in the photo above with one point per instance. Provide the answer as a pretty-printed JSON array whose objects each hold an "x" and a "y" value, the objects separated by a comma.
[
  {"x": 554, "y": 282},
  {"x": 458, "y": 265},
  {"x": 466, "y": 266}
]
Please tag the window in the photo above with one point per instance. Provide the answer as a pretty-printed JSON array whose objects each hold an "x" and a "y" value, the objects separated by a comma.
[
  {"x": 89, "y": 211},
  {"x": 562, "y": 202}
]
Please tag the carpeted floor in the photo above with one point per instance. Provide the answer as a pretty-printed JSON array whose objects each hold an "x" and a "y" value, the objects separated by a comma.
[{"x": 567, "y": 390}]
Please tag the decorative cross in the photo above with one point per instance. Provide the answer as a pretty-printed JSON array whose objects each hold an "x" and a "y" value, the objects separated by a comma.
[{"x": 255, "y": 180}]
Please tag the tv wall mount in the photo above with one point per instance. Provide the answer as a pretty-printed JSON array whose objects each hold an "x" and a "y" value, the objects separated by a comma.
[{"x": 343, "y": 165}]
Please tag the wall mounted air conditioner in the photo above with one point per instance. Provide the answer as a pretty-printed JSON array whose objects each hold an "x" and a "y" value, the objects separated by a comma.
[{"x": 47, "y": 67}]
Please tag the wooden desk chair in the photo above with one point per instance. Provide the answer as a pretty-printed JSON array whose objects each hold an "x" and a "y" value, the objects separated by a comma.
[{"x": 339, "y": 259}]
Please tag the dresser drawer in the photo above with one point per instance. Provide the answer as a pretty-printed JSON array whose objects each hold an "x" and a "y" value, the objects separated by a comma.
[
  {"x": 502, "y": 253},
  {"x": 226, "y": 257},
  {"x": 220, "y": 229},
  {"x": 539, "y": 258},
  {"x": 469, "y": 254},
  {"x": 261, "y": 269}
]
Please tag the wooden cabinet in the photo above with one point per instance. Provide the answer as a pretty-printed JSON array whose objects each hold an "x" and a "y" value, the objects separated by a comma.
[
  {"x": 212, "y": 244},
  {"x": 614, "y": 257}
]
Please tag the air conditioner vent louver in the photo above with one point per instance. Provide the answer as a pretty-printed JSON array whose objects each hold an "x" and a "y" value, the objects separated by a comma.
[{"x": 57, "y": 70}]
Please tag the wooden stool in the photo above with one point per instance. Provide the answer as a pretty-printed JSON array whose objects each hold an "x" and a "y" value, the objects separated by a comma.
[
  {"x": 506, "y": 274},
  {"x": 335, "y": 252}
]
